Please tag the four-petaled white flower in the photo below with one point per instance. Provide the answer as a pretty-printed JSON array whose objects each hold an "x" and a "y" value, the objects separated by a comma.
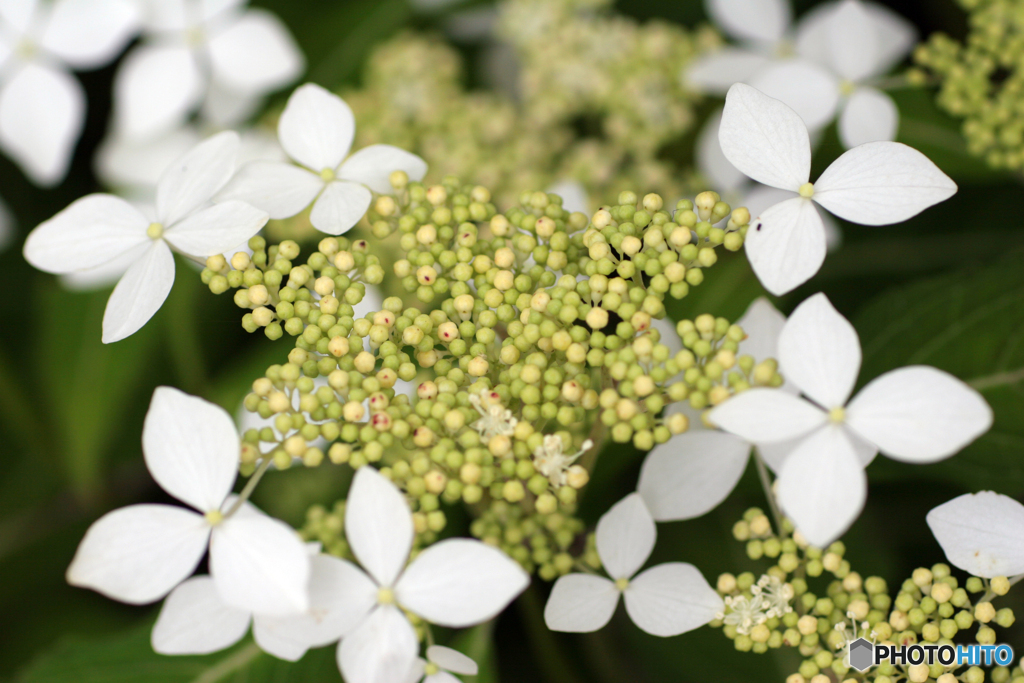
[
  {"x": 100, "y": 228},
  {"x": 878, "y": 183},
  {"x": 137, "y": 554},
  {"x": 440, "y": 664},
  {"x": 316, "y": 130},
  {"x": 42, "y": 107},
  {"x": 456, "y": 583},
  {"x": 196, "y": 50},
  {"x": 981, "y": 533},
  {"x": 916, "y": 414},
  {"x": 551, "y": 461},
  {"x": 665, "y": 600},
  {"x": 195, "y": 619},
  {"x": 495, "y": 418}
]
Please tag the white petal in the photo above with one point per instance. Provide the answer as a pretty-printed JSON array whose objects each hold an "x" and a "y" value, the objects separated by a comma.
[
  {"x": 154, "y": 89},
  {"x": 282, "y": 190},
  {"x": 19, "y": 14},
  {"x": 580, "y": 603},
  {"x": 255, "y": 54},
  {"x": 670, "y": 599},
  {"x": 90, "y": 232},
  {"x": 87, "y": 34},
  {"x": 138, "y": 165},
  {"x": 919, "y": 414},
  {"x": 822, "y": 486},
  {"x": 226, "y": 108},
  {"x": 809, "y": 89},
  {"x": 786, "y": 245},
  {"x": 880, "y": 183},
  {"x": 574, "y": 196},
  {"x": 316, "y": 128},
  {"x": 104, "y": 276},
  {"x": 691, "y": 474},
  {"x": 460, "y": 582},
  {"x": 216, "y": 229},
  {"x": 197, "y": 175},
  {"x": 191, "y": 448},
  {"x": 340, "y": 207},
  {"x": 139, "y": 294},
  {"x": 775, "y": 454},
  {"x": 452, "y": 660},
  {"x": 138, "y": 553},
  {"x": 868, "y": 116},
  {"x": 765, "y": 139},
  {"x": 378, "y": 525},
  {"x": 812, "y": 33},
  {"x": 716, "y": 72},
  {"x": 763, "y": 324},
  {"x": 42, "y": 111},
  {"x": 712, "y": 162},
  {"x": 763, "y": 21},
  {"x": 819, "y": 352},
  {"x": 260, "y": 564},
  {"x": 981, "y": 533},
  {"x": 897, "y": 36},
  {"x": 382, "y": 650},
  {"x": 853, "y": 41},
  {"x": 340, "y": 597},
  {"x": 194, "y": 620},
  {"x": 625, "y": 537},
  {"x": 767, "y": 415},
  {"x": 372, "y": 166}
]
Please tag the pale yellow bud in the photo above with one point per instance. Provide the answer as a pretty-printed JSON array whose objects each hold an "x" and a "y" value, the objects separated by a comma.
[
  {"x": 504, "y": 280},
  {"x": 807, "y": 625},
  {"x": 437, "y": 195},
  {"x": 478, "y": 367},
  {"x": 279, "y": 402},
  {"x": 577, "y": 476},
  {"x": 240, "y": 261},
  {"x": 263, "y": 316},
  {"x": 499, "y": 445},
  {"x": 426, "y": 275},
  {"x": 426, "y": 235},
  {"x": 448, "y": 332},
  {"x": 364, "y": 362},
  {"x": 435, "y": 481},
  {"x": 324, "y": 286},
  {"x": 545, "y": 227},
  {"x": 597, "y": 318},
  {"x": 258, "y": 295},
  {"x": 353, "y": 411},
  {"x": 344, "y": 261}
]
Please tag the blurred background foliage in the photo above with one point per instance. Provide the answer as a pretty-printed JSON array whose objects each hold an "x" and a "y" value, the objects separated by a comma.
[{"x": 946, "y": 288}]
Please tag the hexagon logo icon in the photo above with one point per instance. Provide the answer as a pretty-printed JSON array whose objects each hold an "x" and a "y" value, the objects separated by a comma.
[{"x": 862, "y": 655}]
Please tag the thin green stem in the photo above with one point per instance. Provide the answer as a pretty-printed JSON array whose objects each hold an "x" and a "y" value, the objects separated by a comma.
[
  {"x": 229, "y": 665},
  {"x": 997, "y": 379},
  {"x": 766, "y": 483},
  {"x": 250, "y": 485},
  {"x": 990, "y": 594}
]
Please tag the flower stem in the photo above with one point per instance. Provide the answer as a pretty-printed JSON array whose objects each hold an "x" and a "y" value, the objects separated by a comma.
[
  {"x": 766, "y": 483},
  {"x": 250, "y": 485},
  {"x": 990, "y": 595}
]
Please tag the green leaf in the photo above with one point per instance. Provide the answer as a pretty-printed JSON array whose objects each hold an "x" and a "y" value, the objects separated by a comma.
[
  {"x": 971, "y": 324},
  {"x": 128, "y": 658}
]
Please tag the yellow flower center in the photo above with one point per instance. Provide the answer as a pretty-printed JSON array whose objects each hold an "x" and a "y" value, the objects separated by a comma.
[
  {"x": 622, "y": 584},
  {"x": 155, "y": 231},
  {"x": 195, "y": 36},
  {"x": 806, "y": 190},
  {"x": 837, "y": 414},
  {"x": 846, "y": 88},
  {"x": 327, "y": 174},
  {"x": 25, "y": 49},
  {"x": 385, "y": 596},
  {"x": 430, "y": 669},
  {"x": 214, "y": 517}
]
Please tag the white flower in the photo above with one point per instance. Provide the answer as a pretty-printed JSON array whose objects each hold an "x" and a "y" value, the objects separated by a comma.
[
  {"x": 915, "y": 414},
  {"x": 981, "y": 533},
  {"x": 195, "y": 47},
  {"x": 665, "y": 600},
  {"x": 552, "y": 462},
  {"x": 495, "y": 418},
  {"x": 776, "y": 595},
  {"x": 100, "y": 228},
  {"x": 42, "y": 107},
  {"x": 138, "y": 553},
  {"x": 456, "y": 583},
  {"x": 195, "y": 620},
  {"x": 316, "y": 130},
  {"x": 440, "y": 664},
  {"x": 878, "y": 183},
  {"x": 744, "y": 612}
]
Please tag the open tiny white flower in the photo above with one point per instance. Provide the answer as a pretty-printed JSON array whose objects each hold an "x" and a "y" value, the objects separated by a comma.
[
  {"x": 42, "y": 107},
  {"x": 137, "y": 554},
  {"x": 552, "y": 462},
  {"x": 665, "y": 600},
  {"x": 981, "y": 533},
  {"x": 916, "y": 414},
  {"x": 878, "y": 183},
  {"x": 744, "y": 612},
  {"x": 100, "y": 228},
  {"x": 440, "y": 664},
  {"x": 495, "y": 418},
  {"x": 316, "y": 130},
  {"x": 197, "y": 47},
  {"x": 456, "y": 583}
]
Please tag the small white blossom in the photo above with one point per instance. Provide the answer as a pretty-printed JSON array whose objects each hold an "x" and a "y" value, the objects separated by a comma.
[
  {"x": 745, "y": 612},
  {"x": 316, "y": 130},
  {"x": 100, "y": 228},
  {"x": 665, "y": 600},
  {"x": 495, "y": 419},
  {"x": 981, "y": 533},
  {"x": 440, "y": 664},
  {"x": 916, "y": 414},
  {"x": 878, "y": 183},
  {"x": 137, "y": 554},
  {"x": 776, "y": 595},
  {"x": 551, "y": 462}
]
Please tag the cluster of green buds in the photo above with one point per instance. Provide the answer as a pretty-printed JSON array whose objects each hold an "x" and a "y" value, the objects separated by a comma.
[
  {"x": 981, "y": 80},
  {"x": 813, "y": 601},
  {"x": 531, "y": 335}
]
